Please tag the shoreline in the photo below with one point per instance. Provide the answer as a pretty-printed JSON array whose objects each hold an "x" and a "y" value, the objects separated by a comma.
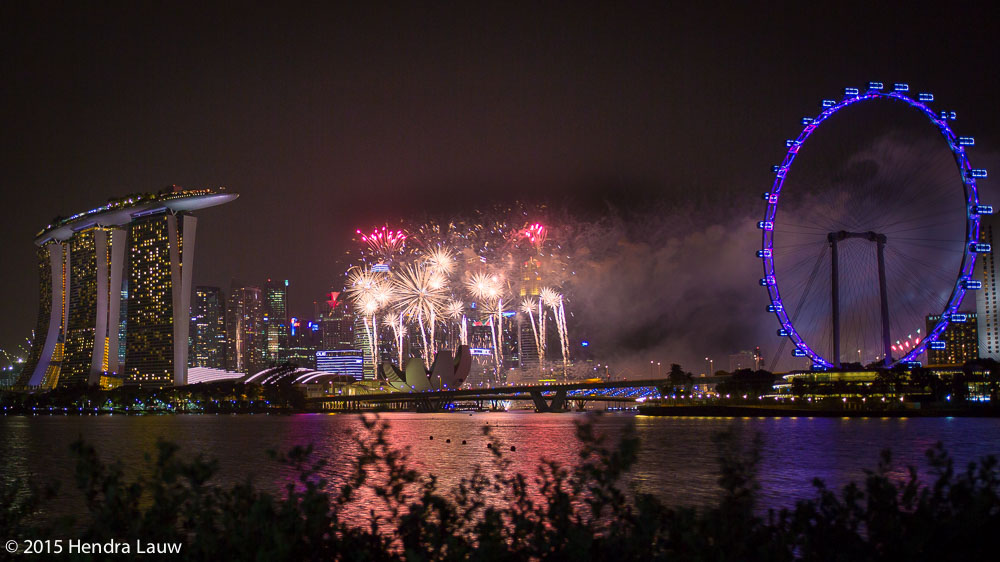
[{"x": 778, "y": 412}]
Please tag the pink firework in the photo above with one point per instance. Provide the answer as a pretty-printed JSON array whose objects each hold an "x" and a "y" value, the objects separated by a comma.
[
  {"x": 535, "y": 234},
  {"x": 384, "y": 242}
]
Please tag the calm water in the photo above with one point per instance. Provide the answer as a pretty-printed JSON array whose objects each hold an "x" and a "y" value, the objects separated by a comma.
[{"x": 677, "y": 459}]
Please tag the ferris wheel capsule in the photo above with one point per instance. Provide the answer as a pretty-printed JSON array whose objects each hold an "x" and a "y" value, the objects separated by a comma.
[
  {"x": 966, "y": 141},
  {"x": 982, "y": 209},
  {"x": 876, "y": 86},
  {"x": 978, "y": 173},
  {"x": 925, "y": 97},
  {"x": 901, "y": 87},
  {"x": 972, "y": 284}
]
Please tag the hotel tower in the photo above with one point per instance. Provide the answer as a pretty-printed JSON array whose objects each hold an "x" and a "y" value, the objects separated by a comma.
[{"x": 115, "y": 291}]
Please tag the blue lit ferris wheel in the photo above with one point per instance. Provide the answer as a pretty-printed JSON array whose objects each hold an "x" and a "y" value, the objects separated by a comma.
[{"x": 882, "y": 238}]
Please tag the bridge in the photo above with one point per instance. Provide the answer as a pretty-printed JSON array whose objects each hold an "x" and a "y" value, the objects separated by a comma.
[{"x": 554, "y": 397}]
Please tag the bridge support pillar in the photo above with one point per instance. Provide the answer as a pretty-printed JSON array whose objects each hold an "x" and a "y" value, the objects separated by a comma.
[{"x": 557, "y": 404}]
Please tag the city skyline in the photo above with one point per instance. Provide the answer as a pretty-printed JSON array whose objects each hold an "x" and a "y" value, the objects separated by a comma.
[{"x": 635, "y": 119}]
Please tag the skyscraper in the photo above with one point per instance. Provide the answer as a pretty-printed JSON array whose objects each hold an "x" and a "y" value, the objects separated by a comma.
[
  {"x": 44, "y": 362},
  {"x": 161, "y": 257},
  {"x": 276, "y": 319},
  {"x": 208, "y": 328},
  {"x": 531, "y": 284},
  {"x": 960, "y": 341},
  {"x": 337, "y": 323},
  {"x": 246, "y": 335},
  {"x": 363, "y": 342},
  {"x": 987, "y": 304},
  {"x": 133, "y": 246}
]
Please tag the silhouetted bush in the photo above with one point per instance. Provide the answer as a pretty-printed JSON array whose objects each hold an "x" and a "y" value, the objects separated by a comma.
[{"x": 577, "y": 512}]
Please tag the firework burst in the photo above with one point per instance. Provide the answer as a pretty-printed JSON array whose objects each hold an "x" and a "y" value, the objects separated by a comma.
[
  {"x": 484, "y": 286},
  {"x": 535, "y": 234},
  {"x": 395, "y": 321},
  {"x": 456, "y": 311},
  {"x": 441, "y": 260},
  {"x": 420, "y": 293},
  {"x": 384, "y": 243},
  {"x": 552, "y": 299},
  {"x": 528, "y": 305}
]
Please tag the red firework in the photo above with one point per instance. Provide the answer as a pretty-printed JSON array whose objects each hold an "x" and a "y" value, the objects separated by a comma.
[{"x": 384, "y": 242}]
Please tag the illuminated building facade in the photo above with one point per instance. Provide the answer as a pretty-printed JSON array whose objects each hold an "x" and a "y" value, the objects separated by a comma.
[
  {"x": 987, "y": 304},
  {"x": 531, "y": 285},
  {"x": 161, "y": 248},
  {"x": 304, "y": 338},
  {"x": 246, "y": 333},
  {"x": 276, "y": 318},
  {"x": 348, "y": 362},
  {"x": 960, "y": 341},
  {"x": 337, "y": 324},
  {"x": 362, "y": 341},
  {"x": 44, "y": 361},
  {"x": 139, "y": 248},
  {"x": 91, "y": 337},
  {"x": 208, "y": 328}
]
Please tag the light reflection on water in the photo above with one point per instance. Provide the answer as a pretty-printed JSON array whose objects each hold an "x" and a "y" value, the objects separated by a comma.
[{"x": 677, "y": 460}]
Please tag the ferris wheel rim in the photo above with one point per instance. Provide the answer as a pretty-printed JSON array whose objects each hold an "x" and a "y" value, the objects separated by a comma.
[{"x": 956, "y": 145}]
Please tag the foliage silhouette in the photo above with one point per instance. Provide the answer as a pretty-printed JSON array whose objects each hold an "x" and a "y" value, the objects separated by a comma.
[{"x": 561, "y": 512}]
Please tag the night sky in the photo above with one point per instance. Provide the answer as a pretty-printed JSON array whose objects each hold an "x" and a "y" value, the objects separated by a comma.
[{"x": 353, "y": 116}]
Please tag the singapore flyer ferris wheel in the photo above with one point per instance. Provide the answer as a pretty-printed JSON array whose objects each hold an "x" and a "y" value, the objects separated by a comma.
[{"x": 874, "y": 247}]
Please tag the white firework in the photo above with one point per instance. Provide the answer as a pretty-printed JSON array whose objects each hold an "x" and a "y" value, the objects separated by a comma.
[
  {"x": 441, "y": 260},
  {"x": 420, "y": 294}
]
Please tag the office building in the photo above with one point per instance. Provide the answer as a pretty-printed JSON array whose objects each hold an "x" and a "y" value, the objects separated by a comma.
[
  {"x": 349, "y": 362},
  {"x": 246, "y": 335},
  {"x": 337, "y": 323},
  {"x": 987, "y": 304},
  {"x": 208, "y": 328},
  {"x": 304, "y": 338},
  {"x": 276, "y": 319},
  {"x": 960, "y": 341}
]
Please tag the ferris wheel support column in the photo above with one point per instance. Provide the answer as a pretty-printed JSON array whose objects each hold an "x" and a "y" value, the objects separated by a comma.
[
  {"x": 835, "y": 297},
  {"x": 884, "y": 295}
]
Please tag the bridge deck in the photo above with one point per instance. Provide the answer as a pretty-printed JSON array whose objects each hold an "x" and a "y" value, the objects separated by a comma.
[{"x": 507, "y": 392}]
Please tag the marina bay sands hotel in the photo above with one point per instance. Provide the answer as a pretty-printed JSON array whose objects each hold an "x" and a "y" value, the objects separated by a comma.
[{"x": 115, "y": 291}]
